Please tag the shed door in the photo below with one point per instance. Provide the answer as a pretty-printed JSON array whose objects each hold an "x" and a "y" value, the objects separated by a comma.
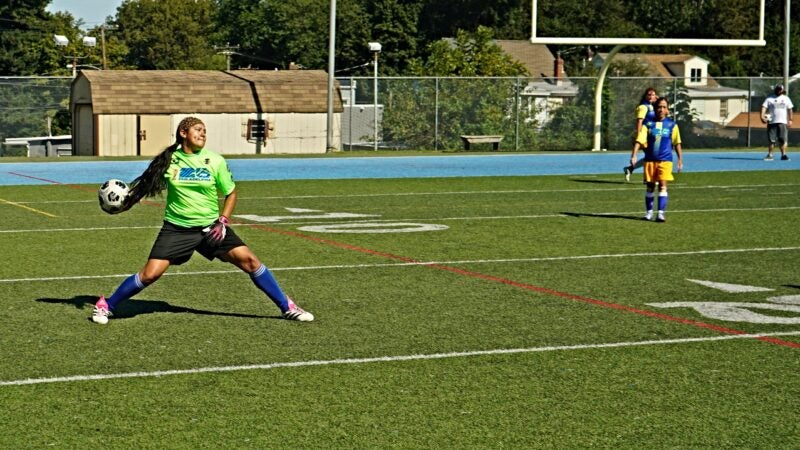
[
  {"x": 155, "y": 134},
  {"x": 83, "y": 131}
]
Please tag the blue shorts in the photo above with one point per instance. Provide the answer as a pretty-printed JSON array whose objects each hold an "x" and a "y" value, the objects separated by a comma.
[{"x": 177, "y": 244}]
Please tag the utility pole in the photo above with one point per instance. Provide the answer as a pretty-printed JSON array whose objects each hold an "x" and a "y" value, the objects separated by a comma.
[
  {"x": 227, "y": 50},
  {"x": 103, "y": 42}
]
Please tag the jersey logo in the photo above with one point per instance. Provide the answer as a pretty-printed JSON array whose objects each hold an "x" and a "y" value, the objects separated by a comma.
[{"x": 194, "y": 174}]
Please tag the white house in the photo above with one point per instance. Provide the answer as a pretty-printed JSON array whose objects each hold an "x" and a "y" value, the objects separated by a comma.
[
  {"x": 710, "y": 100},
  {"x": 550, "y": 87}
]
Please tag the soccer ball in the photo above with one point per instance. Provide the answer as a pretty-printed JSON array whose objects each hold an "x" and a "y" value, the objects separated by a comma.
[{"x": 112, "y": 195}]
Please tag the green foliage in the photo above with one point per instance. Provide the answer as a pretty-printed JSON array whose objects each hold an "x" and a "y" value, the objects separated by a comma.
[
  {"x": 465, "y": 106},
  {"x": 395, "y": 27},
  {"x": 469, "y": 55},
  {"x": 588, "y": 18},
  {"x": 26, "y": 38},
  {"x": 175, "y": 34},
  {"x": 274, "y": 34},
  {"x": 26, "y": 105}
]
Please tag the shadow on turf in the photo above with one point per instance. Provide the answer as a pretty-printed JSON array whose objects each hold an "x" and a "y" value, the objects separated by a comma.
[
  {"x": 602, "y": 216},
  {"x": 133, "y": 308},
  {"x": 741, "y": 158},
  {"x": 595, "y": 181}
]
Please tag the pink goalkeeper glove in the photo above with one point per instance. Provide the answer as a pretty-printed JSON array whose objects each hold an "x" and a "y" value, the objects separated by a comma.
[{"x": 215, "y": 233}]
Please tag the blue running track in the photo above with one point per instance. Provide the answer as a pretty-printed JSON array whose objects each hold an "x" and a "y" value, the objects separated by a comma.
[{"x": 584, "y": 163}]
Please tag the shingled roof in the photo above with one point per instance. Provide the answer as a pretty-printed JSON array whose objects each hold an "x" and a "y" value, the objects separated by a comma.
[
  {"x": 208, "y": 91},
  {"x": 535, "y": 57},
  {"x": 660, "y": 65}
]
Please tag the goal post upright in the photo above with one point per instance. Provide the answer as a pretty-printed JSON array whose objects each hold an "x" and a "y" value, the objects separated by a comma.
[{"x": 619, "y": 42}]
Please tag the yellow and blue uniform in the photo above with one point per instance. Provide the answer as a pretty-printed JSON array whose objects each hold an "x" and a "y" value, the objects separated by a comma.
[
  {"x": 646, "y": 112},
  {"x": 659, "y": 137}
]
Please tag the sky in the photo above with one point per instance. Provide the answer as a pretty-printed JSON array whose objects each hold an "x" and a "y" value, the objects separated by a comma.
[{"x": 93, "y": 12}]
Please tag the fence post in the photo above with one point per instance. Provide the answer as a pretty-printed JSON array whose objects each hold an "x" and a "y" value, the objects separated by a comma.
[
  {"x": 436, "y": 116},
  {"x": 351, "y": 102},
  {"x": 749, "y": 107},
  {"x": 516, "y": 111}
]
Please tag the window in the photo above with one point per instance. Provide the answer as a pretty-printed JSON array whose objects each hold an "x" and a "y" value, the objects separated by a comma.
[
  {"x": 257, "y": 130},
  {"x": 723, "y": 108},
  {"x": 696, "y": 76}
]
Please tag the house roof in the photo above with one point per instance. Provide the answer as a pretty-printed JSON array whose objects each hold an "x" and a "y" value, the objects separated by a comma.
[
  {"x": 741, "y": 121},
  {"x": 659, "y": 65},
  {"x": 208, "y": 91},
  {"x": 534, "y": 57}
]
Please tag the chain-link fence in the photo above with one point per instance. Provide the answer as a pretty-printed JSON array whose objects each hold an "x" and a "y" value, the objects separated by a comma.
[
  {"x": 543, "y": 114},
  {"x": 32, "y": 107},
  {"x": 435, "y": 112}
]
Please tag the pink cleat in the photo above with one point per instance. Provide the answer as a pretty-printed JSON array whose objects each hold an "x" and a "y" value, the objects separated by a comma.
[
  {"x": 296, "y": 313},
  {"x": 101, "y": 312}
]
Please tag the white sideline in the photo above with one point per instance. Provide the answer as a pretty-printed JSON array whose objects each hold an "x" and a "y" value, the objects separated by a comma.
[
  {"x": 424, "y": 263},
  {"x": 161, "y": 373}
]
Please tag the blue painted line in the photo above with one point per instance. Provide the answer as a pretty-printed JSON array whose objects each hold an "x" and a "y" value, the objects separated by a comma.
[{"x": 584, "y": 163}]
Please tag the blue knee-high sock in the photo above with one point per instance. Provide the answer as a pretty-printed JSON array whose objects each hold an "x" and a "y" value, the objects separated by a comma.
[
  {"x": 662, "y": 201},
  {"x": 130, "y": 287},
  {"x": 263, "y": 278},
  {"x": 648, "y": 201}
]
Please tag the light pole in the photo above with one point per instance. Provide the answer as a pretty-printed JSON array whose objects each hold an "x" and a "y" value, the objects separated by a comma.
[
  {"x": 375, "y": 48},
  {"x": 62, "y": 41},
  {"x": 331, "y": 70}
]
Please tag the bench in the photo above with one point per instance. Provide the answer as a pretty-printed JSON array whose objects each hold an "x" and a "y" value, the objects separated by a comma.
[{"x": 481, "y": 139}]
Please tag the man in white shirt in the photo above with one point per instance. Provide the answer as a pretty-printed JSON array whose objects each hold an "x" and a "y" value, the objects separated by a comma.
[{"x": 776, "y": 112}]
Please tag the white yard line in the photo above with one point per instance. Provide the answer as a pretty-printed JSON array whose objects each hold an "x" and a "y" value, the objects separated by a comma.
[
  {"x": 425, "y": 263},
  {"x": 422, "y": 219},
  {"x": 380, "y": 359},
  {"x": 627, "y": 187}
]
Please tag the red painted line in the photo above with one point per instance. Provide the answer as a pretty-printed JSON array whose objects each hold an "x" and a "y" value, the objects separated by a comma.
[
  {"x": 73, "y": 186},
  {"x": 469, "y": 273},
  {"x": 530, "y": 287},
  {"x": 78, "y": 187}
]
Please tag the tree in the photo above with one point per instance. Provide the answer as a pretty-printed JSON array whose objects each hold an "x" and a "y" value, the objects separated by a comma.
[
  {"x": 26, "y": 38},
  {"x": 476, "y": 106},
  {"x": 273, "y": 34},
  {"x": 175, "y": 34},
  {"x": 395, "y": 26},
  {"x": 439, "y": 19}
]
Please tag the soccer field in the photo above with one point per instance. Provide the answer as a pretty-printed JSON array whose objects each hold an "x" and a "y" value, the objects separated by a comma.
[{"x": 486, "y": 312}]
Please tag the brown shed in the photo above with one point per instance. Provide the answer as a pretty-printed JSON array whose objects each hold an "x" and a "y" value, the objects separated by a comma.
[{"x": 135, "y": 112}]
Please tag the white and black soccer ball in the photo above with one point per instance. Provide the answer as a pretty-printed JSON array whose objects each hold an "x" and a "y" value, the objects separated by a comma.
[{"x": 112, "y": 195}]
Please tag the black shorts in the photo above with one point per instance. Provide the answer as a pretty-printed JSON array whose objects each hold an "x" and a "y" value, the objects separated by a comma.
[
  {"x": 176, "y": 244},
  {"x": 778, "y": 133}
]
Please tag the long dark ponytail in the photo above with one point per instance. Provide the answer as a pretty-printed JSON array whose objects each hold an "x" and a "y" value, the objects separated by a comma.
[{"x": 152, "y": 182}]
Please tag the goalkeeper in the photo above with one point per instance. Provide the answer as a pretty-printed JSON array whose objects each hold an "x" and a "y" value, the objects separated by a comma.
[{"x": 193, "y": 177}]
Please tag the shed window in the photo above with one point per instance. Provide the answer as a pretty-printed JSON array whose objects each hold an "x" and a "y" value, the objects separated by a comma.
[{"x": 257, "y": 130}]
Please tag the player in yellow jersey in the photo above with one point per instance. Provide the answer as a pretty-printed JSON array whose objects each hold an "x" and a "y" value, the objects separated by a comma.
[
  {"x": 194, "y": 178},
  {"x": 658, "y": 138},
  {"x": 644, "y": 112}
]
